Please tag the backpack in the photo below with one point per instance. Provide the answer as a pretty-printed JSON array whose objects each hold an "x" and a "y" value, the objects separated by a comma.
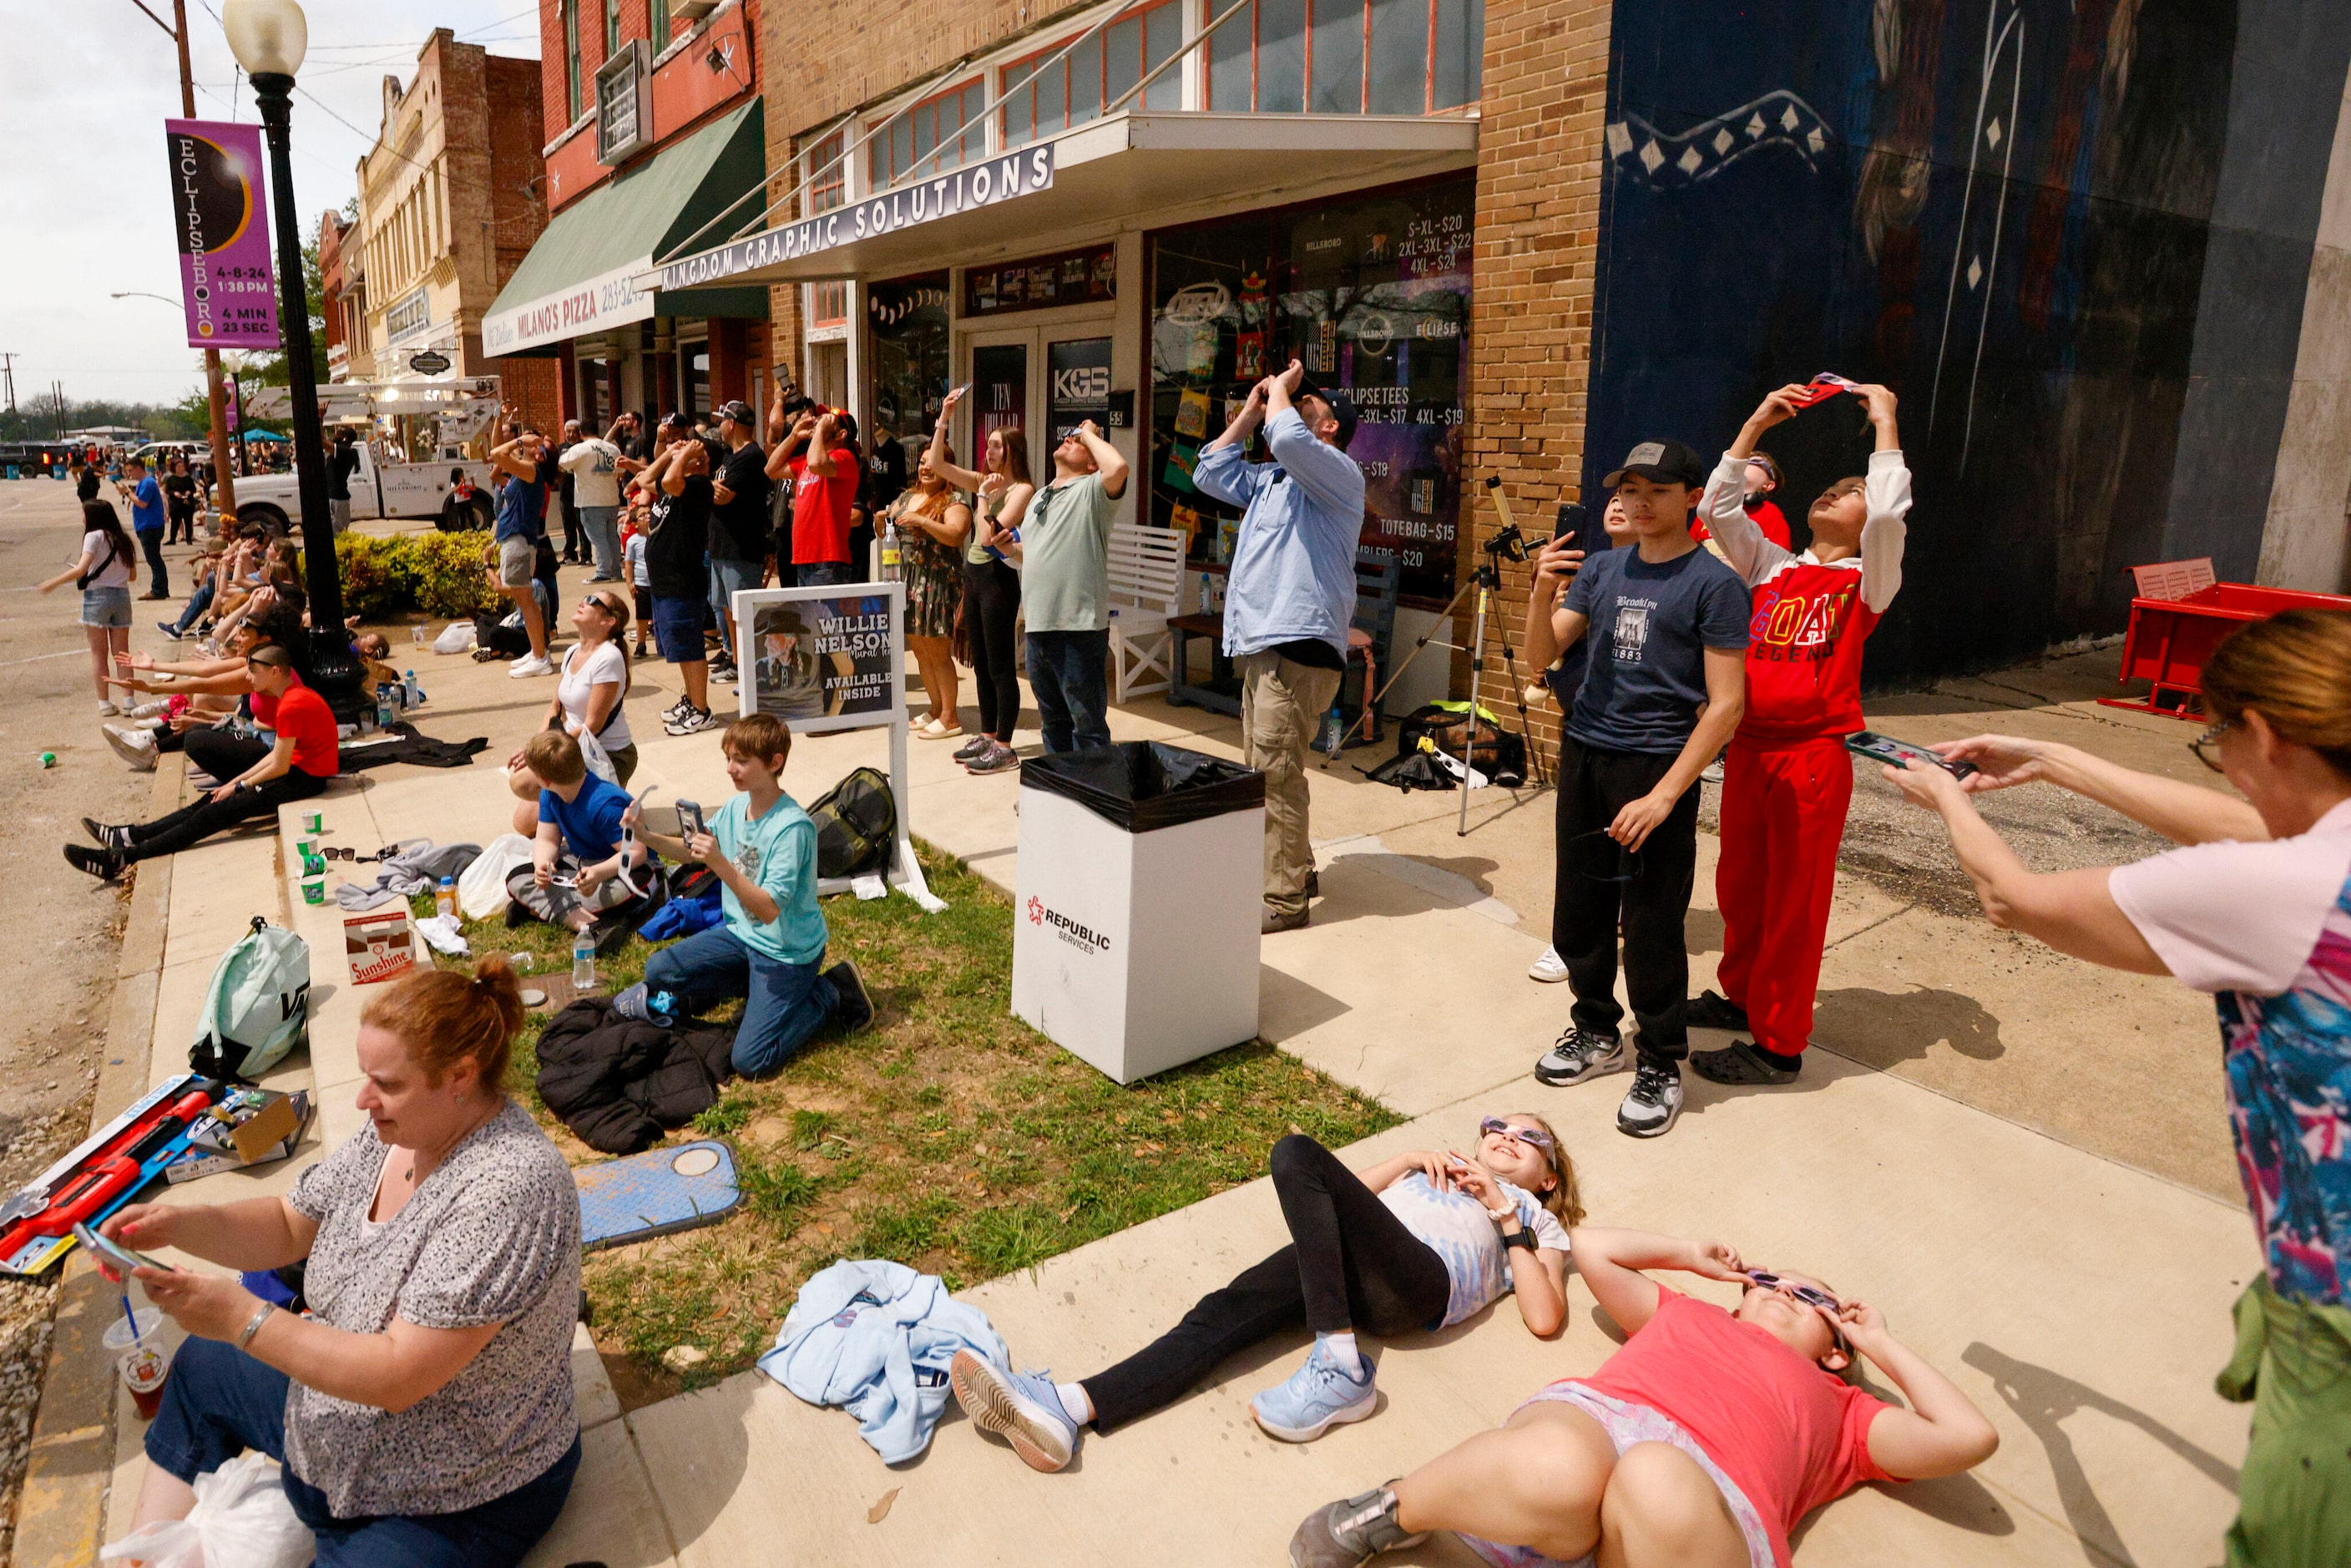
[
  {"x": 1494, "y": 751},
  {"x": 856, "y": 824},
  {"x": 257, "y": 1007}
]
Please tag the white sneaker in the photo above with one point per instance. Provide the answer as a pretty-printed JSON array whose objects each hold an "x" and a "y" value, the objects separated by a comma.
[
  {"x": 1551, "y": 968},
  {"x": 146, "y": 710},
  {"x": 530, "y": 664},
  {"x": 136, "y": 747},
  {"x": 107, "y": 709},
  {"x": 1712, "y": 772},
  {"x": 200, "y": 780}
]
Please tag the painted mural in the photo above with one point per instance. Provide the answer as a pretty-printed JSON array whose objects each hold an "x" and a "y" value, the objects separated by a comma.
[{"x": 1999, "y": 208}]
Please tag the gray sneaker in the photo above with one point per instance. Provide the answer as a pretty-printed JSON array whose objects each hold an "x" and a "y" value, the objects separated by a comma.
[
  {"x": 1580, "y": 1054},
  {"x": 1653, "y": 1105},
  {"x": 1347, "y": 1533}
]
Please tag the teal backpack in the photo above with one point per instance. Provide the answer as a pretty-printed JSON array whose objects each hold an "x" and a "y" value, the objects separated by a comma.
[{"x": 258, "y": 1008}]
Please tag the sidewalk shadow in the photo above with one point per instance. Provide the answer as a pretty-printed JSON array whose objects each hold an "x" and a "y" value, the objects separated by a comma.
[
  {"x": 1885, "y": 1028},
  {"x": 722, "y": 1414},
  {"x": 2042, "y": 1399}
]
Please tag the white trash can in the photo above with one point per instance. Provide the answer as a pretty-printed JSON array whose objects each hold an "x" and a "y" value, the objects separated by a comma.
[{"x": 1135, "y": 924}]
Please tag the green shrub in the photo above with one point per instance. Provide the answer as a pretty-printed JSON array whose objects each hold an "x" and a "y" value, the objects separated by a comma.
[{"x": 439, "y": 575}]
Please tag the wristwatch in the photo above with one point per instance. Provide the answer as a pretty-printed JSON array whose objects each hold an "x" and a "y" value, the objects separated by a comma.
[{"x": 1522, "y": 1236}]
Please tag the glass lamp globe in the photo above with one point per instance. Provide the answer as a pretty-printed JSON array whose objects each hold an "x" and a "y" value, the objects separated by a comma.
[{"x": 267, "y": 36}]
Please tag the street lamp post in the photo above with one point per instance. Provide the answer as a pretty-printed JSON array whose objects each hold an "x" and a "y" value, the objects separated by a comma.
[{"x": 269, "y": 38}]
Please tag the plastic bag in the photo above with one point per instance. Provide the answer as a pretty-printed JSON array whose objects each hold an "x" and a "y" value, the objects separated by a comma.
[
  {"x": 241, "y": 1520},
  {"x": 482, "y": 891},
  {"x": 1141, "y": 785},
  {"x": 599, "y": 760},
  {"x": 456, "y": 638}
]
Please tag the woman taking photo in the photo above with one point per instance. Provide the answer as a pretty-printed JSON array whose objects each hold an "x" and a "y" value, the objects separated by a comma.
[
  {"x": 594, "y": 678},
  {"x": 991, "y": 584},
  {"x": 179, "y": 502},
  {"x": 2254, "y": 908},
  {"x": 423, "y": 1408},
  {"x": 932, "y": 520},
  {"x": 103, "y": 574}
]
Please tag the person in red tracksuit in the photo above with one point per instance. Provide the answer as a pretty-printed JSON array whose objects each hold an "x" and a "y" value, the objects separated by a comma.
[{"x": 1787, "y": 781}]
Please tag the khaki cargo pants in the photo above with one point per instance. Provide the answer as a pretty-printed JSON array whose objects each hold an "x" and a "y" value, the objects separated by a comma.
[{"x": 1282, "y": 702}]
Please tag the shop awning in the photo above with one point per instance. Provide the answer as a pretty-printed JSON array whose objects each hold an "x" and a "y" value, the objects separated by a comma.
[
  {"x": 581, "y": 275},
  {"x": 1165, "y": 167}
]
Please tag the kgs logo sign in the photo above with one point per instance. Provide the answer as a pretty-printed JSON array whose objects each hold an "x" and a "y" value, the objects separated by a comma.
[{"x": 1078, "y": 936}]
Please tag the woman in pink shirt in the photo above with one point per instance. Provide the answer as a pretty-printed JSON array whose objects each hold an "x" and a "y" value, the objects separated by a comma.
[{"x": 1701, "y": 1444}]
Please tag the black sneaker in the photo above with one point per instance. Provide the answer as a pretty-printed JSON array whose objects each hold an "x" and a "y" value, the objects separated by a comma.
[
  {"x": 974, "y": 747},
  {"x": 104, "y": 864},
  {"x": 853, "y": 1004},
  {"x": 106, "y": 835},
  {"x": 1653, "y": 1105},
  {"x": 1714, "y": 1010},
  {"x": 1348, "y": 1533},
  {"x": 169, "y": 630},
  {"x": 1580, "y": 1054},
  {"x": 1745, "y": 1065}
]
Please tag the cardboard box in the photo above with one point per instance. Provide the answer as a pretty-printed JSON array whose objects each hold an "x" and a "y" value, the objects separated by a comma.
[
  {"x": 380, "y": 945},
  {"x": 266, "y": 1133}
]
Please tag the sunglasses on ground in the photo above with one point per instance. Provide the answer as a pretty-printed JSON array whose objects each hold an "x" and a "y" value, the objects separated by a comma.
[
  {"x": 339, "y": 852},
  {"x": 1533, "y": 1136}
]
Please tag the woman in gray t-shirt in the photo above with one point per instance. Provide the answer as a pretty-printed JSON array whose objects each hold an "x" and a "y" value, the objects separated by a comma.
[{"x": 423, "y": 1408}]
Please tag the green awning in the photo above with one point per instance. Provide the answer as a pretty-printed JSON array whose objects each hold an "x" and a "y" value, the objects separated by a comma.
[{"x": 579, "y": 278}]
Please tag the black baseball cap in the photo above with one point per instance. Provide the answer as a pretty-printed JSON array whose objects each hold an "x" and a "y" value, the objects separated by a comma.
[
  {"x": 1342, "y": 408},
  {"x": 1664, "y": 462}
]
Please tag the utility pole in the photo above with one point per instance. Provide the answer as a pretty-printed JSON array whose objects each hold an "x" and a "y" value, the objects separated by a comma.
[
  {"x": 225, "y": 485},
  {"x": 8, "y": 373}
]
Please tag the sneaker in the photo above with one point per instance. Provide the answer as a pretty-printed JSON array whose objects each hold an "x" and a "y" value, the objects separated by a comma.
[
  {"x": 693, "y": 721},
  {"x": 1021, "y": 1408},
  {"x": 1653, "y": 1105},
  {"x": 530, "y": 664},
  {"x": 641, "y": 1006},
  {"x": 1319, "y": 1396},
  {"x": 146, "y": 710},
  {"x": 1580, "y": 1054},
  {"x": 169, "y": 630},
  {"x": 106, "y": 835},
  {"x": 136, "y": 747},
  {"x": 974, "y": 747},
  {"x": 853, "y": 1004},
  {"x": 107, "y": 709},
  {"x": 723, "y": 668},
  {"x": 1743, "y": 1064},
  {"x": 998, "y": 757},
  {"x": 200, "y": 780},
  {"x": 1711, "y": 773},
  {"x": 1714, "y": 1010},
  {"x": 104, "y": 864},
  {"x": 1551, "y": 968},
  {"x": 600, "y": 577},
  {"x": 1271, "y": 920},
  {"x": 677, "y": 709},
  {"x": 1350, "y": 1532}
]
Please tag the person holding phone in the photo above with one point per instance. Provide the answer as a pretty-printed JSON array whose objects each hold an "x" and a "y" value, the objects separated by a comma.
[{"x": 1787, "y": 782}]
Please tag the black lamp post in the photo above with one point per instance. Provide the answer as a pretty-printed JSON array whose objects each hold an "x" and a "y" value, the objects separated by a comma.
[{"x": 269, "y": 38}]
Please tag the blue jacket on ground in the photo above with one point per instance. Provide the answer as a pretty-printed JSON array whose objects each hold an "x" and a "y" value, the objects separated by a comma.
[
  {"x": 1294, "y": 572},
  {"x": 875, "y": 1338}
]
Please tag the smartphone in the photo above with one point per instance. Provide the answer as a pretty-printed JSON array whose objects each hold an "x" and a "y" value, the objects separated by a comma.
[
  {"x": 1573, "y": 526},
  {"x": 115, "y": 1252},
  {"x": 689, "y": 819},
  {"x": 1886, "y": 748}
]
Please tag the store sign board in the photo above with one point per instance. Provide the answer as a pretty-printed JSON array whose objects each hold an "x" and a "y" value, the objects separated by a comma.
[
  {"x": 591, "y": 305},
  {"x": 431, "y": 362},
  {"x": 987, "y": 183},
  {"x": 220, "y": 226},
  {"x": 822, "y": 658},
  {"x": 1077, "y": 385},
  {"x": 1086, "y": 277}
]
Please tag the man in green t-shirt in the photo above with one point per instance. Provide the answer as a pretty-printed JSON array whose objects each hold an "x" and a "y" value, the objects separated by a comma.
[{"x": 1065, "y": 589}]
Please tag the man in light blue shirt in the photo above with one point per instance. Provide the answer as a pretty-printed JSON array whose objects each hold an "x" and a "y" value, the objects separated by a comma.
[{"x": 1288, "y": 600}]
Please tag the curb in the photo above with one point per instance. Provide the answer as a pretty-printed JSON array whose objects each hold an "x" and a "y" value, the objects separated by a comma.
[{"x": 61, "y": 1514}]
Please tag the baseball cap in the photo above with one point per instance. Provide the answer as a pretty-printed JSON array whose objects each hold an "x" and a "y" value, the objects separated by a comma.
[
  {"x": 736, "y": 410},
  {"x": 1342, "y": 408},
  {"x": 1665, "y": 462}
]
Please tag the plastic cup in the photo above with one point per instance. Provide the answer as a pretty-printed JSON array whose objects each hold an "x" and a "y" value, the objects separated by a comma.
[
  {"x": 48, "y": 760},
  {"x": 144, "y": 1363},
  {"x": 520, "y": 963},
  {"x": 307, "y": 848},
  {"x": 314, "y": 889},
  {"x": 416, "y": 635},
  {"x": 314, "y": 821}
]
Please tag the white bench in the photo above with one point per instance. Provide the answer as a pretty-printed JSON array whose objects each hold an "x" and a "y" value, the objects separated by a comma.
[{"x": 1146, "y": 574}]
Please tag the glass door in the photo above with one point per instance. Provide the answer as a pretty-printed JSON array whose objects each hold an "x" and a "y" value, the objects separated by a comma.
[{"x": 999, "y": 364}]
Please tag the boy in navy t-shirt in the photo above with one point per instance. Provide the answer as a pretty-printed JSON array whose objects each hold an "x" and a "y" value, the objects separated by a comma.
[
  {"x": 1662, "y": 688},
  {"x": 583, "y": 864}
]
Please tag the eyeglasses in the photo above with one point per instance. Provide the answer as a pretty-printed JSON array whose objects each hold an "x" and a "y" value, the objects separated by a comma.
[
  {"x": 1628, "y": 862},
  {"x": 1812, "y": 1296},
  {"x": 339, "y": 852},
  {"x": 2207, "y": 746},
  {"x": 1534, "y": 1137}
]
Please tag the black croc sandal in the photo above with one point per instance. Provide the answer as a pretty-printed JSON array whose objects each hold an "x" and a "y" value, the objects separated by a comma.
[{"x": 1741, "y": 1064}]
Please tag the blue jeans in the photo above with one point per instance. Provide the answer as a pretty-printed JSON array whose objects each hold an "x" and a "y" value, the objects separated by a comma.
[
  {"x": 822, "y": 574},
  {"x": 219, "y": 1402},
  {"x": 727, "y": 578},
  {"x": 198, "y": 602},
  {"x": 785, "y": 1004},
  {"x": 152, "y": 542},
  {"x": 602, "y": 527},
  {"x": 1068, "y": 677}
]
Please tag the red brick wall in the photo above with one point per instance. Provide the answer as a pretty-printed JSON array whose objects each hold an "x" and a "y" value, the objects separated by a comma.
[{"x": 686, "y": 90}]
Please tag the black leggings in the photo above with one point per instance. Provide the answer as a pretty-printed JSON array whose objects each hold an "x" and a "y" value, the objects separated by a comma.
[
  {"x": 193, "y": 824},
  {"x": 991, "y": 603},
  {"x": 222, "y": 754},
  {"x": 1350, "y": 1264}
]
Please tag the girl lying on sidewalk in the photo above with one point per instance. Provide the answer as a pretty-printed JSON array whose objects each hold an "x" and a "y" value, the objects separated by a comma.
[
  {"x": 1419, "y": 1241},
  {"x": 1701, "y": 1444}
]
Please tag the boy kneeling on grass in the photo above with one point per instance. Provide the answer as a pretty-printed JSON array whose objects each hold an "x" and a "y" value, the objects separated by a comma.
[
  {"x": 575, "y": 877},
  {"x": 767, "y": 949}
]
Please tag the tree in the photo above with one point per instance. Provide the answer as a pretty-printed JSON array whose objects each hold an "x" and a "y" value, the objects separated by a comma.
[{"x": 270, "y": 370}]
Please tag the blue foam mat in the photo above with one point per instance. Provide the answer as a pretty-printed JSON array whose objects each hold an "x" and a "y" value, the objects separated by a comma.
[{"x": 644, "y": 1196}]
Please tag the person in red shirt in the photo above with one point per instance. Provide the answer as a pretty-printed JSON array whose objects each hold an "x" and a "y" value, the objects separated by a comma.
[
  {"x": 1702, "y": 1443},
  {"x": 1762, "y": 478},
  {"x": 824, "y": 479},
  {"x": 1787, "y": 781},
  {"x": 300, "y": 763}
]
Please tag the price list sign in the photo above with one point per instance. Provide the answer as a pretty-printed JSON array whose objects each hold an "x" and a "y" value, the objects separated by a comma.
[{"x": 220, "y": 226}]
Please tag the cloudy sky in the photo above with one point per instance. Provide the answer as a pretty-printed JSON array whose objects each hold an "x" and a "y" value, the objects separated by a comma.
[{"x": 82, "y": 102}]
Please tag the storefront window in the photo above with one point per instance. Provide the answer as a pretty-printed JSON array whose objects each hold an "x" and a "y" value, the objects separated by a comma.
[
  {"x": 936, "y": 134},
  {"x": 1051, "y": 91},
  {"x": 828, "y": 188},
  {"x": 1348, "y": 57},
  {"x": 1372, "y": 294},
  {"x": 695, "y": 359},
  {"x": 906, "y": 326}
]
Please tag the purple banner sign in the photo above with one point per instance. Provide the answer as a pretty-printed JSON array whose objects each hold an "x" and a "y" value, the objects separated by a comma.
[{"x": 220, "y": 220}]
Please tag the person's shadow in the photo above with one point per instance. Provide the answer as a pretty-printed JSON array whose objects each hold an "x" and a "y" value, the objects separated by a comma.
[
  {"x": 2042, "y": 1399},
  {"x": 1885, "y": 1028}
]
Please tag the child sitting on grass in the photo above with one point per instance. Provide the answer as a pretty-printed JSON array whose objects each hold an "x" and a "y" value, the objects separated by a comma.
[
  {"x": 768, "y": 948},
  {"x": 575, "y": 874},
  {"x": 1701, "y": 1443}
]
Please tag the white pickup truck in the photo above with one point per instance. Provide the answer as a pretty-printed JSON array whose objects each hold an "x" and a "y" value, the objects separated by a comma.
[{"x": 456, "y": 412}]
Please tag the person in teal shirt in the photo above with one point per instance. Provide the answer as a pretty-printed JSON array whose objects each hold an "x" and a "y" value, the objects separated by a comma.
[{"x": 769, "y": 948}]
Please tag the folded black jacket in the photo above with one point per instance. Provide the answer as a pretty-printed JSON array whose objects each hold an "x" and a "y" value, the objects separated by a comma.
[{"x": 620, "y": 1084}]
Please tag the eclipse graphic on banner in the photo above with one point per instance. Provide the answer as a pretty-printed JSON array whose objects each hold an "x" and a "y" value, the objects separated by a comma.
[
  {"x": 220, "y": 226},
  {"x": 822, "y": 658}
]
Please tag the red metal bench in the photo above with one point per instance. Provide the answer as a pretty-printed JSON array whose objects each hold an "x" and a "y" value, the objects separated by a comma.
[{"x": 2179, "y": 616}]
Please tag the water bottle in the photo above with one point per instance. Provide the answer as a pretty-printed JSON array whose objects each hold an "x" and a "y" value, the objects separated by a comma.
[
  {"x": 414, "y": 694},
  {"x": 890, "y": 551},
  {"x": 444, "y": 901},
  {"x": 383, "y": 714},
  {"x": 583, "y": 962}
]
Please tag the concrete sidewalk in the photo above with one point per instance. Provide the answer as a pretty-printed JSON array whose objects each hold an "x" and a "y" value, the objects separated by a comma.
[{"x": 2082, "y": 1301}]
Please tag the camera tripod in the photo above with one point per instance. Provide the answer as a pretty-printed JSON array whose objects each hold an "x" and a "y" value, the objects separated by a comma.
[{"x": 1483, "y": 581}]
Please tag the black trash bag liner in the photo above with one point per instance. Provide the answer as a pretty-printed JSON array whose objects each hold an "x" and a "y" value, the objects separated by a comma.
[
  {"x": 1413, "y": 770},
  {"x": 1141, "y": 785}
]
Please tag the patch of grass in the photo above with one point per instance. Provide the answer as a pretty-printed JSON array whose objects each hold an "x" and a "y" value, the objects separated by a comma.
[{"x": 950, "y": 1136}]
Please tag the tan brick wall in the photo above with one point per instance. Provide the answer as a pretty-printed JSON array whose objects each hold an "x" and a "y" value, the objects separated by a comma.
[{"x": 1539, "y": 170}]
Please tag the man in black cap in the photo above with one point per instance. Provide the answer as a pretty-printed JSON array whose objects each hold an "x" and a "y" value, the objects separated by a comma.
[
  {"x": 1662, "y": 690},
  {"x": 1288, "y": 600},
  {"x": 738, "y": 524}
]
